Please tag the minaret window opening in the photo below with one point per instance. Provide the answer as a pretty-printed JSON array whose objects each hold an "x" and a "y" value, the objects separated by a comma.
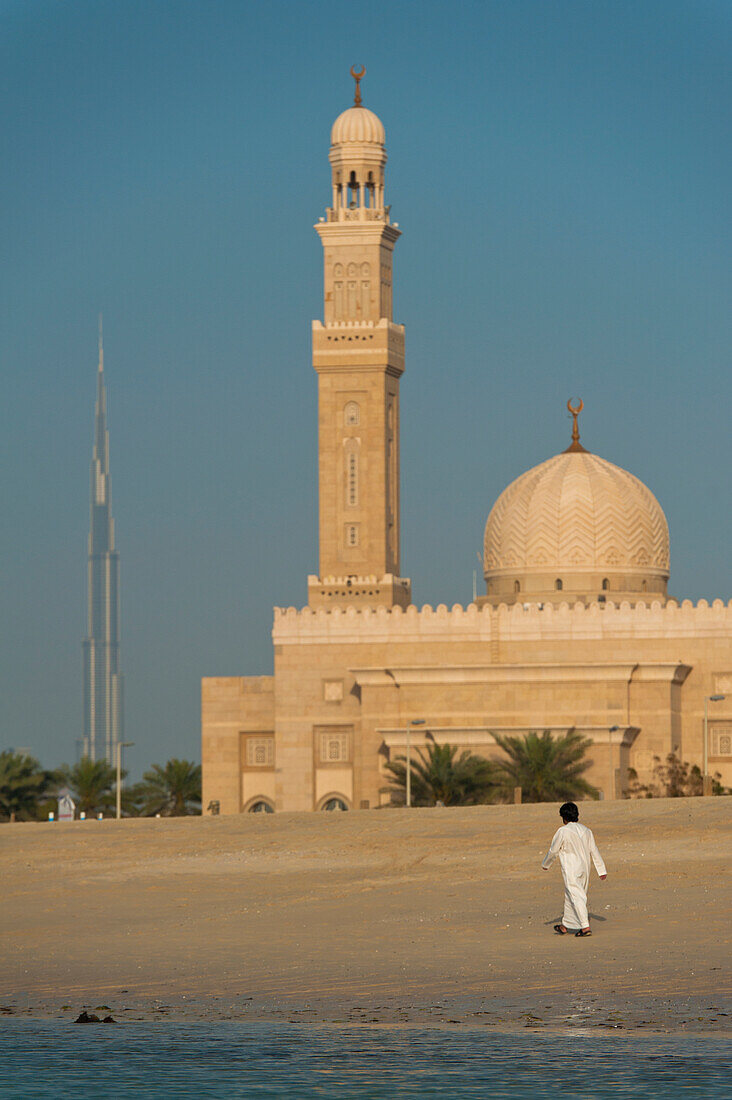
[
  {"x": 605, "y": 584},
  {"x": 354, "y": 192},
  {"x": 352, "y": 414},
  {"x": 352, "y": 534},
  {"x": 352, "y": 474},
  {"x": 517, "y": 586}
]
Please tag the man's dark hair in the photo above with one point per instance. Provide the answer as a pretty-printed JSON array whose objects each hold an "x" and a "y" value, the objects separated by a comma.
[{"x": 569, "y": 812}]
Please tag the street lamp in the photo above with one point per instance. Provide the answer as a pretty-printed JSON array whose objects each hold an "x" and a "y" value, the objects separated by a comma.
[
  {"x": 613, "y": 729},
  {"x": 414, "y": 722},
  {"x": 707, "y": 700},
  {"x": 120, "y": 745}
]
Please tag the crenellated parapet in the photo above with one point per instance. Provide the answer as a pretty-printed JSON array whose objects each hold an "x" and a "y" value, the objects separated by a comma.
[{"x": 515, "y": 623}]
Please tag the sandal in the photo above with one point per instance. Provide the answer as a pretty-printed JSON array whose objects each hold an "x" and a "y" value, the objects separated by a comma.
[
  {"x": 584, "y": 932},
  {"x": 560, "y": 929}
]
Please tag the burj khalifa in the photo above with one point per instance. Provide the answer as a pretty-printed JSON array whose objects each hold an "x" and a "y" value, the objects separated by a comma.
[{"x": 102, "y": 678}]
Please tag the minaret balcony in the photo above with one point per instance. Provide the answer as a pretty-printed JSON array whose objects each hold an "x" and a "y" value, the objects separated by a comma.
[{"x": 358, "y": 214}]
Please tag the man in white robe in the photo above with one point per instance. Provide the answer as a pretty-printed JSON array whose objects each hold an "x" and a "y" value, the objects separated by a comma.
[{"x": 575, "y": 846}]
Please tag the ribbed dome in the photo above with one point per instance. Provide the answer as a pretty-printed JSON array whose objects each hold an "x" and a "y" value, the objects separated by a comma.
[
  {"x": 358, "y": 124},
  {"x": 577, "y": 517}
]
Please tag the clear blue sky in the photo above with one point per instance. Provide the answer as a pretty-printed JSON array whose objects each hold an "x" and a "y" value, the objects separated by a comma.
[{"x": 561, "y": 173}]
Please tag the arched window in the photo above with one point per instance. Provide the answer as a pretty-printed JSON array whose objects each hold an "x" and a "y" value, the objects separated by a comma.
[
  {"x": 605, "y": 584},
  {"x": 261, "y": 807},
  {"x": 352, "y": 534},
  {"x": 335, "y": 804},
  {"x": 558, "y": 584},
  {"x": 517, "y": 586},
  {"x": 644, "y": 586},
  {"x": 352, "y": 414}
]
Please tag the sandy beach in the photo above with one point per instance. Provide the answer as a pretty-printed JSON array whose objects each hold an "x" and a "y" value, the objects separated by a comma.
[{"x": 435, "y": 917}]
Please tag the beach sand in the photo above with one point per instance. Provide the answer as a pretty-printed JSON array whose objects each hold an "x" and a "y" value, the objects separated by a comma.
[{"x": 423, "y": 917}]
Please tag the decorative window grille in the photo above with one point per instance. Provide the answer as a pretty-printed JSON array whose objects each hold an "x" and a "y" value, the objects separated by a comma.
[
  {"x": 721, "y": 740},
  {"x": 334, "y": 747},
  {"x": 352, "y": 414},
  {"x": 260, "y": 752},
  {"x": 352, "y": 534},
  {"x": 352, "y": 477}
]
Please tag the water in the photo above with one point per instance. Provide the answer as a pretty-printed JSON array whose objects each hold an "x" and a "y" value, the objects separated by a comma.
[{"x": 58, "y": 1060}]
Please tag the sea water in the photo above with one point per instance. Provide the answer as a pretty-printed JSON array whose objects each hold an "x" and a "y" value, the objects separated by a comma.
[{"x": 58, "y": 1060}]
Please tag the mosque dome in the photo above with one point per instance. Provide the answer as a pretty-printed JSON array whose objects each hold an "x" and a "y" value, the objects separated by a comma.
[
  {"x": 358, "y": 124},
  {"x": 576, "y": 528}
]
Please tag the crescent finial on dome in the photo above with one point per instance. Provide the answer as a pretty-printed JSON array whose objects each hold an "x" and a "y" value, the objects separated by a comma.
[
  {"x": 358, "y": 77},
  {"x": 575, "y": 445}
]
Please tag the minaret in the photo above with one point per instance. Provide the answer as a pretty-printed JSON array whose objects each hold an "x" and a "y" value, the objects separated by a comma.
[
  {"x": 358, "y": 353},
  {"x": 102, "y": 678}
]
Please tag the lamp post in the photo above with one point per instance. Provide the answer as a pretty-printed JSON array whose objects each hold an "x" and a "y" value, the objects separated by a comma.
[
  {"x": 414, "y": 722},
  {"x": 707, "y": 700},
  {"x": 120, "y": 745},
  {"x": 613, "y": 729}
]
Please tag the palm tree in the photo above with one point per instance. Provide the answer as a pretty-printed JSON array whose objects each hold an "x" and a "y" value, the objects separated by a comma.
[
  {"x": 172, "y": 790},
  {"x": 92, "y": 784},
  {"x": 440, "y": 777},
  {"x": 23, "y": 783},
  {"x": 546, "y": 768}
]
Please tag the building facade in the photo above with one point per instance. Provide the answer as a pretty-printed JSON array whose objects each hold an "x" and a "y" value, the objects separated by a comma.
[
  {"x": 575, "y": 630},
  {"x": 102, "y": 676}
]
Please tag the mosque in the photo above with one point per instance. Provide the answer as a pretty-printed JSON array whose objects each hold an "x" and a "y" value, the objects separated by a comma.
[{"x": 575, "y": 629}]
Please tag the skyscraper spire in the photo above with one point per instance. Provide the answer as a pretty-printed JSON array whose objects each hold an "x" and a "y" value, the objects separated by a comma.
[{"x": 102, "y": 678}]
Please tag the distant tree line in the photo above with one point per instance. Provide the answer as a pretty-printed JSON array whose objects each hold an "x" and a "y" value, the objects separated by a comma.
[
  {"x": 546, "y": 768},
  {"x": 29, "y": 792}
]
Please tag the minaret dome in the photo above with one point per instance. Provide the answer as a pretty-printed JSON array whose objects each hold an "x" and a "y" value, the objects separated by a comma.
[{"x": 358, "y": 158}]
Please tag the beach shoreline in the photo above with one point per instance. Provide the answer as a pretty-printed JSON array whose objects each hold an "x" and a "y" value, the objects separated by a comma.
[{"x": 396, "y": 918}]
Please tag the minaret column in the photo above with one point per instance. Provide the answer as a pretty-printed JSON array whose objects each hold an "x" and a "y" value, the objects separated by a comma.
[{"x": 358, "y": 354}]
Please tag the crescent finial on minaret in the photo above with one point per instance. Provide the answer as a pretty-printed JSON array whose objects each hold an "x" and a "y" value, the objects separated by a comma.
[
  {"x": 575, "y": 445},
  {"x": 358, "y": 77}
]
